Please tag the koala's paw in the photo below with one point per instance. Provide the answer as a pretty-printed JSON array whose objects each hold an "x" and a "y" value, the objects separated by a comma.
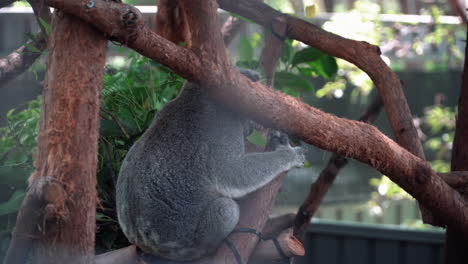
[
  {"x": 277, "y": 139},
  {"x": 300, "y": 156}
]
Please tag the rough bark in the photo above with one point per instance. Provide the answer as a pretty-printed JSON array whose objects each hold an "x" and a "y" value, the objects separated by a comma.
[
  {"x": 65, "y": 174},
  {"x": 171, "y": 22},
  {"x": 362, "y": 54},
  {"x": 456, "y": 243},
  {"x": 227, "y": 86},
  {"x": 320, "y": 187},
  {"x": 21, "y": 59},
  {"x": 266, "y": 251},
  {"x": 456, "y": 179}
]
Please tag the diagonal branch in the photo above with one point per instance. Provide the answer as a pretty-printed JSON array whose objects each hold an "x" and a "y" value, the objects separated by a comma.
[
  {"x": 276, "y": 110},
  {"x": 360, "y": 53},
  {"x": 21, "y": 59},
  {"x": 320, "y": 187}
]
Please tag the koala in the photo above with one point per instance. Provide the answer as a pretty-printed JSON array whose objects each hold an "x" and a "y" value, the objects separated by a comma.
[{"x": 177, "y": 187}]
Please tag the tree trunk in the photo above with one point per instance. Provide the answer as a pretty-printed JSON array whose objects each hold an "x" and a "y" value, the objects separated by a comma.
[
  {"x": 65, "y": 176},
  {"x": 456, "y": 244}
]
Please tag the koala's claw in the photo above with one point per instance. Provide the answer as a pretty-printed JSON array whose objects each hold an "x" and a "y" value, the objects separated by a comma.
[{"x": 277, "y": 139}]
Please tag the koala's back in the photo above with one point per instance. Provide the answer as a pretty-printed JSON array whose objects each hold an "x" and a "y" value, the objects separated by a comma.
[{"x": 163, "y": 185}]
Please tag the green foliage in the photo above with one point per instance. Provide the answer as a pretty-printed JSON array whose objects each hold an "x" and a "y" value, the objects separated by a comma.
[
  {"x": 296, "y": 67},
  {"x": 17, "y": 147},
  {"x": 45, "y": 25},
  {"x": 133, "y": 92}
]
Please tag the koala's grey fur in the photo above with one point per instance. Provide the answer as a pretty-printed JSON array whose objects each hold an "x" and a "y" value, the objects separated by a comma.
[{"x": 177, "y": 183}]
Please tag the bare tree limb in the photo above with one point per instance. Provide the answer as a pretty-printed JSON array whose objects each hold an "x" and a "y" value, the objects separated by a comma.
[
  {"x": 456, "y": 248},
  {"x": 456, "y": 179},
  {"x": 26, "y": 232},
  {"x": 170, "y": 22},
  {"x": 41, "y": 11},
  {"x": 360, "y": 53},
  {"x": 267, "y": 252},
  {"x": 274, "y": 109},
  {"x": 21, "y": 59},
  {"x": 65, "y": 173},
  {"x": 320, "y": 187}
]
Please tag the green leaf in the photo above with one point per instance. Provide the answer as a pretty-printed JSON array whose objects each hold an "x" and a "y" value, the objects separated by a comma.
[
  {"x": 246, "y": 51},
  {"x": 45, "y": 25},
  {"x": 109, "y": 128},
  {"x": 13, "y": 204},
  {"x": 296, "y": 82},
  {"x": 307, "y": 55},
  {"x": 326, "y": 66},
  {"x": 329, "y": 65},
  {"x": 288, "y": 50},
  {"x": 257, "y": 139},
  {"x": 14, "y": 176},
  {"x": 32, "y": 48}
]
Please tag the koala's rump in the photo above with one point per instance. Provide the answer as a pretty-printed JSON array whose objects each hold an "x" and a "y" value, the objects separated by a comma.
[{"x": 159, "y": 207}]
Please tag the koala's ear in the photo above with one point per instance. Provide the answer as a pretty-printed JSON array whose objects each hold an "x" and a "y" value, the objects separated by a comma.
[{"x": 251, "y": 74}]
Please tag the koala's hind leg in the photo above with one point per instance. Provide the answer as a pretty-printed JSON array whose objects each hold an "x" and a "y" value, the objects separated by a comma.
[{"x": 218, "y": 220}]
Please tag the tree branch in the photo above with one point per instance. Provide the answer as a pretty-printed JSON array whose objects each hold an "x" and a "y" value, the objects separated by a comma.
[
  {"x": 228, "y": 86},
  {"x": 320, "y": 187},
  {"x": 41, "y": 11},
  {"x": 21, "y": 59},
  {"x": 360, "y": 53},
  {"x": 456, "y": 250}
]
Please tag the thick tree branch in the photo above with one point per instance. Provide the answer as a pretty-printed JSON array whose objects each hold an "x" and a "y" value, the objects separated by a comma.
[
  {"x": 65, "y": 174},
  {"x": 456, "y": 248},
  {"x": 286, "y": 113},
  {"x": 320, "y": 187},
  {"x": 362, "y": 54},
  {"x": 170, "y": 22}
]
